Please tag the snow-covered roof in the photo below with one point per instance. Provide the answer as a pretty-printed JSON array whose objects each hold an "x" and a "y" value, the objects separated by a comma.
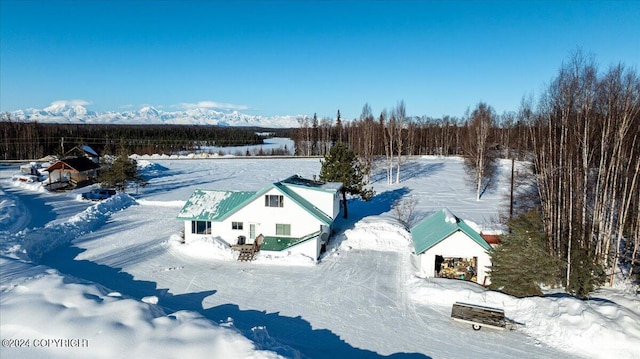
[
  {"x": 297, "y": 180},
  {"x": 212, "y": 205},
  {"x": 437, "y": 227},
  {"x": 204, "y": 205}
]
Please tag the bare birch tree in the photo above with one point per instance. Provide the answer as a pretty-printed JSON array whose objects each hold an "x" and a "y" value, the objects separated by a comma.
[
  {"x": 367, "y": 152},
  {"x": 478, "y": 154},
  {"x": 399, "y": 116},
  {"x": 387, "y": 127},
  {"x": 586, "y": 145}
]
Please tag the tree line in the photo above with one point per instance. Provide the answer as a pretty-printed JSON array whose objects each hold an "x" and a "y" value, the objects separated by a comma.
[
  {"x": 582, "y": 139},
  {"x": 585, "y": 134},
  {"x": 33, "y": 140},
  {"x": 392, "y": 135}
]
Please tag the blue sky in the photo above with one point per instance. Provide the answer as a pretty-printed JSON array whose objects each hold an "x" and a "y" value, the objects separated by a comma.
[{"x": 289, "y": 58}]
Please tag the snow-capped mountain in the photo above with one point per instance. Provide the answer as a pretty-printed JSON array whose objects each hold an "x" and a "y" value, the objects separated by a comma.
[{"x": 65, "y": 113}]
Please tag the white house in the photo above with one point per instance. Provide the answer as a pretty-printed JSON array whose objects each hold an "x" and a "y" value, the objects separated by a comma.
[
  {"x": 294, "y": 215},
  {"x": 446, "y": 246}
]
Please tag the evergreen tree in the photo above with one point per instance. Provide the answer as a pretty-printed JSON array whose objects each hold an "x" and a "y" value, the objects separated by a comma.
[
  {"x": 342, "y": 165},
  {"x": 522, "y": 261},
  {"x": 339, "y": 126},
  {"x": 315, "y": 136},
  {"x": 122, "y": 171},
  {"x": 587, "y": 274}
]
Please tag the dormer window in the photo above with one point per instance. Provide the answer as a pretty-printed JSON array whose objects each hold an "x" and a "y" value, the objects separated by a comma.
[{"x": 271, "y": 200}]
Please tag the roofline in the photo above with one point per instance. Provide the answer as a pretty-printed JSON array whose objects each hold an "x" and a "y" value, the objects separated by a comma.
[
  {"x": 72, "y": 167},
  {"x": 326, "y": 220},
  {"x": 461, "y": 226},
  {"x": 222, "y": 218},
  {"x": 283, "y": 182},
  {"x": 447, "y": 235}
]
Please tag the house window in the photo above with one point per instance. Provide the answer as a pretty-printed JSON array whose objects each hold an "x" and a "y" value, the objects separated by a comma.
[
  {"x": 200, "y": 227},
  {"x": 283, "y": 229},
  {"x": 236, "y": 225},
  {"x": 272, "y": 200}
]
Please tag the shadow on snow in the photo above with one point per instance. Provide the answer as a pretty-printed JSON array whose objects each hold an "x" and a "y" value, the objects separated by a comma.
[
  {"x": 408, "y": 170},
  {"x": 379, "y": 204},
  {"x": 287, "y": 332}
]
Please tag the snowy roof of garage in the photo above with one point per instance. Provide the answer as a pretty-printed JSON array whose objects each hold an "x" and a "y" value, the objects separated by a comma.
[{"x": 439, "y": 226}]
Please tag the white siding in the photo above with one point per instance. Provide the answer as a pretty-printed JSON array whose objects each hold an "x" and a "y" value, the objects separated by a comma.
[
  {"x": 265, "y": 218},
  {"x": 456, "y": 245},
  {"x": 324, "y": 200}
]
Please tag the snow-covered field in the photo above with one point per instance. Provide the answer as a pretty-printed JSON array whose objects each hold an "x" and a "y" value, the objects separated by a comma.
[{"x": 109, "y": 279}]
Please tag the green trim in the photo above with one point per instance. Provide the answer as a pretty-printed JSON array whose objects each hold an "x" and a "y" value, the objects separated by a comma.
[{"x": 435, "y": 228}]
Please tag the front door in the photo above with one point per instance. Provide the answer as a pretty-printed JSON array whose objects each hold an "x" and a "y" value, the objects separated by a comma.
[{"x": 252, "y": 231}]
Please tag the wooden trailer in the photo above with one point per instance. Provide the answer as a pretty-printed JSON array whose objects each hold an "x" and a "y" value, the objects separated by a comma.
[{"x": 479, "y": 316}]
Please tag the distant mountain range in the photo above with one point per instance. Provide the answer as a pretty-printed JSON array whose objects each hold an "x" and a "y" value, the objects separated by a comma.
[{"x": 65, "y": 113}]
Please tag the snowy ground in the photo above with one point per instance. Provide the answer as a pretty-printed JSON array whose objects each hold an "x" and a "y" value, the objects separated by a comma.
[{"x": 114, "y": 277}]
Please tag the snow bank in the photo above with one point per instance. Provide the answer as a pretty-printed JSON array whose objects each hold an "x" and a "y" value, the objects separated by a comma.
[
  {"x": 203, "y": 248},
  {"x": 32, "y": 244},
  {"x": 63, "y": 317},
  {"x": 208, "y": 248},
  {"x": 145, "y": 165},
  {"x": 146, "y": 202},
  {"x": 594, "y": 328},
  {"x": 31, "y": 186},
  {"x": 12, "y": 212},
  {"x": 378, "y": 234},
  {"x": 189, "y": 156}
]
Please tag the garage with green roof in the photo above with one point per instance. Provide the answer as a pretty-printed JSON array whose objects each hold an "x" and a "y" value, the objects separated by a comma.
[{"x": 447, "y": 246}]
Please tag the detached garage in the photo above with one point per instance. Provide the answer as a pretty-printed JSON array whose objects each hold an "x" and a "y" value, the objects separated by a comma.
[{"x": 445, "y": 246}]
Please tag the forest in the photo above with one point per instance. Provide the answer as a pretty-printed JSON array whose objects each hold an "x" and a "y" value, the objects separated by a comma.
[
  {"x": 31, "y": 140},
  {"x": 582, "y": 139}
]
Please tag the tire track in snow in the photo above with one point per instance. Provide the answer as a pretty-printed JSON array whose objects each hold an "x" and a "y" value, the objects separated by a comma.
[{"x": 31, "y": 244}]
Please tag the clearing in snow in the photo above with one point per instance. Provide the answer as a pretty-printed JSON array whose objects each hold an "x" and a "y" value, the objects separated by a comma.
[{"x": 116, "y": 274}]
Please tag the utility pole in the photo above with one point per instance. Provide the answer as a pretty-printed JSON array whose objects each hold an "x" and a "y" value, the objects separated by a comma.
[{"x": 512, "y": 180}]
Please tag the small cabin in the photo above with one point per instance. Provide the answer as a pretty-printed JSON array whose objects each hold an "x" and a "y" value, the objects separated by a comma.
[{"x": 72, "y": 172}]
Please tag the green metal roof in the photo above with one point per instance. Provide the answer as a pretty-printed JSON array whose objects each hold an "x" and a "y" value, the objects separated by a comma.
[
  {"x": 276, "y": 244},
  {"x": 440, "y": 225},
  {"x": 204, "y": 205},
  {"x": 308, "y": 206}
]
